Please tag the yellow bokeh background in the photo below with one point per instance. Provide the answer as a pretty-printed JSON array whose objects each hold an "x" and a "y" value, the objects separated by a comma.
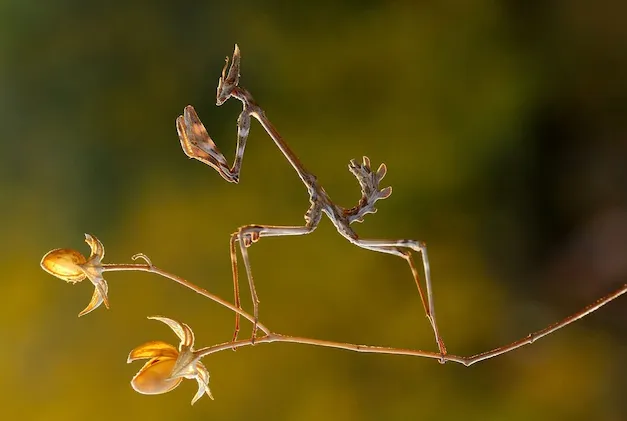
[{"x": 502, "y": 125}]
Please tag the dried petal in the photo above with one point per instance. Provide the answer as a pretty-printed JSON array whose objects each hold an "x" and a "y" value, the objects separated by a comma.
[
  {"x": 153, "y": 349},
  {"x": 99, "y": 296},
  {"x": 203, "y": 382},
  {"x": 103, "y": 289},
  {"x": 64, "y": 264},
  {"x": 183, "y": 331},
  {"x": 93, "y": 269},
  {"x": 97, "y": 249},
  {"x": 154, "y": 377}
]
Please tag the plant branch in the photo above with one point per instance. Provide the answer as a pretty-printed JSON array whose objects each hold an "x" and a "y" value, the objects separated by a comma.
[
  {"x": 270, "y": 337},
  {"x": 153, "y": 269},
  {"x": 532, "y": 337}
]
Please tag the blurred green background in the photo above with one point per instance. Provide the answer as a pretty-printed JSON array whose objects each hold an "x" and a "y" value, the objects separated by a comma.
[{"x": 504, "y": 129}]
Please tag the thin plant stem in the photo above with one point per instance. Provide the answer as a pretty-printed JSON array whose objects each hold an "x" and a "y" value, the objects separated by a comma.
[
  {"x": 532, "y": 337},
  {"x": 270, "y": 337},
  {"x": 153, "y": 269},
  {"x": 276, "y": 337}
]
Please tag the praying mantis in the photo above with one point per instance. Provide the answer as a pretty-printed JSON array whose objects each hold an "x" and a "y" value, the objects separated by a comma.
[{"x": 197, "y": 144}]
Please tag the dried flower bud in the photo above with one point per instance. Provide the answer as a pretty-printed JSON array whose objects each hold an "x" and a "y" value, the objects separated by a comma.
[
  {"x": 71, "y": 266},
  {"x": 167, "y": 365},
  {"x": 64, "y": 264}
]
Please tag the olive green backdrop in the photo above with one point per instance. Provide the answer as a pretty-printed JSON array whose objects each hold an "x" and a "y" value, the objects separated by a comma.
[{"x": 503, "y": 126}]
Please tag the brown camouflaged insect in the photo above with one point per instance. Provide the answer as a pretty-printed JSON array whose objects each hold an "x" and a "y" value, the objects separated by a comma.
[{"x": 197, "y": 144}]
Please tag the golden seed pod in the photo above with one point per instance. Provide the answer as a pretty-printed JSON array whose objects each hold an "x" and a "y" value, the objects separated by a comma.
[
  {"x": 64, "y": 264},
  {"x": 154, "y": 377}
]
